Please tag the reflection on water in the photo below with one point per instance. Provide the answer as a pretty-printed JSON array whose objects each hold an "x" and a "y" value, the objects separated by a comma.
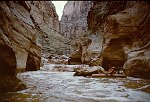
[{"x": 64, "y": 87}]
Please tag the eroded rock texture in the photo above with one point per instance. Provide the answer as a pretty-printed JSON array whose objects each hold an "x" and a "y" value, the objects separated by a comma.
[
  {"x": 45, "y": 19},
  {"x": 74, "y": 26},
  {"x": 125, "y": 32},
  {"x": 74, "y": 18},
  {"x": 17, "y": 27},
  {"x": 25, "y": 28},
  {"x": 138, "y": 67}
]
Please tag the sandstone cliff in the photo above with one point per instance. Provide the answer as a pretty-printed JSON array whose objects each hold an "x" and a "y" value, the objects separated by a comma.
[
  {"x": 45, "y": 19},
  {"x": 125, "y": 27},
  {"x": 123, "y": 39},
  {"x": 18, "y": 48},
  {"x": 92, "y": 52},
  {"x": 25, "y": 28},
  {"x": 74, "y": 19}
]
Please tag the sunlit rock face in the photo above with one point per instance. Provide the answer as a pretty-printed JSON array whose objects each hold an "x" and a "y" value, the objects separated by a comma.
[
  {"x": 74, "y": 18},
  {"x": 73, "y": 25},
  {"x": 45, "y": 19},
  {"x": 125, "y": 31}
]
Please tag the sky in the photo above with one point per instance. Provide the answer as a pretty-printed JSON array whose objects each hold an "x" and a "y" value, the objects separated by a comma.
[{"x": 59, "y": 5}]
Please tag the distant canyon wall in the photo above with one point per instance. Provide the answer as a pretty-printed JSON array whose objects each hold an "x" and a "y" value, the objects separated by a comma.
[{"x": 74, "y": 19}]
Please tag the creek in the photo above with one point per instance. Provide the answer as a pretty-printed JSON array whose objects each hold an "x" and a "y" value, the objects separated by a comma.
[{"x": 47, "y": 86}]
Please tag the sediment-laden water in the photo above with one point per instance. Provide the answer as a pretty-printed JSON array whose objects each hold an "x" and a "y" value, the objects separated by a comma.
[{"x": 47, "y": 86}]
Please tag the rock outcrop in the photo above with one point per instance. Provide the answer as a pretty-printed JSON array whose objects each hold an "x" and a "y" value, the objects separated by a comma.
[
  {"x": 91, "y": 54},
  {"x": 125, "y": 33},
  {"x": 45, "y": 19},
  {"x": 88, "y": 71},
  {"x": 74, "y": 19},
  {"x": 17, "y": 42},
  {"x": 138, "y": 67},
  {"x": 18, "y": 35},
  {"x": 25, "y": 28}
]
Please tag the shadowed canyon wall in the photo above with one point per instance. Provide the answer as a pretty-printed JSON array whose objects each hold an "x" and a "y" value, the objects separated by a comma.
[
  {"x": 123, "y": 29},
  {"x": 27, "y": 28},
  {"x": 126, "y": 35}
]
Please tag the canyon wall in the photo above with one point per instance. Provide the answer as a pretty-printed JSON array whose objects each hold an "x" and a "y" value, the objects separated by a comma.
[
  {"x": 18, "y": 48},
  {"x": 123, "y": 30},
  {"x": 126, "y": 35},
  {"x": 45, "y": 19},
  {"x": 73, "y": 25},
  {"x": 73, "y": 21},
  {"x": 27, "y": 28}
]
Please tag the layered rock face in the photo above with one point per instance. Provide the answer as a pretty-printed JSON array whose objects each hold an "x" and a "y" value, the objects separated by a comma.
[
  {"x": 91, "y": 54},
  {"x": 25, "y": 28},
  {"x": 19, "y": 35},
  {"x": 74, "y": 18},
  {"x": 18, "y": 48},
  {"x": 45, "y": 19},
  {"x": 73, "y": 25},
  {"x": 125, "y": 33}
]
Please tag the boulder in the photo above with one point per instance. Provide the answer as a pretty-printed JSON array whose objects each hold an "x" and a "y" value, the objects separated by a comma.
[
  {"x": 88, "y": 71},
  {"x": 76, "y": 57},
  {"x": 138, "y": 67}
]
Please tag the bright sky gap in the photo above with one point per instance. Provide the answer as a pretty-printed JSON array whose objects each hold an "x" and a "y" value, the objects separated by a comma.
[{"x": 59, "y": 5}]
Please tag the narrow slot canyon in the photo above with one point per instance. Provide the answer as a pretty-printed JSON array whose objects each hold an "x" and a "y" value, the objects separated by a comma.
[{"x": 74, "y": 51}]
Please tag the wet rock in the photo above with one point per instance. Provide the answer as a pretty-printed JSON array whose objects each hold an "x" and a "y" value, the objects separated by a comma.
[
  {"x": 8, "y": 83},
  {"x": 60, "y": 67},
  {"x": 138, "y": 67},
  {"x": 88, "y": 71},
  {"x": 58, "y": 59},
  {"x": 20, "y": 86}
]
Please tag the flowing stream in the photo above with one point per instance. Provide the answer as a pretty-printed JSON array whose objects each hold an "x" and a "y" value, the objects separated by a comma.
[{"x": 48, "y": 86}]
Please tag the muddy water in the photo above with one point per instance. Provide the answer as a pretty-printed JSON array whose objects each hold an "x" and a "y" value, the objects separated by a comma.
[{"x": 46, "y": 86}]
